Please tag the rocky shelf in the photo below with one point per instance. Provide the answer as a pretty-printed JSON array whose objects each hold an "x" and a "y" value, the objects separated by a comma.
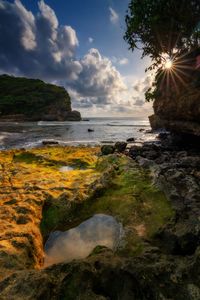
[{"x": 152, "y": 190}]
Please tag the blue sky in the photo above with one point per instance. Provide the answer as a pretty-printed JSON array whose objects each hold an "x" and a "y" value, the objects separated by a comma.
[{"x": 91, "y": 24}]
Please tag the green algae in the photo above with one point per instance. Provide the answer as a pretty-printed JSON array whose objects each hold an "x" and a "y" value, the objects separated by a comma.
[
  {"x": 135, "y": 202},
  {"x": 27, "y": 157},
  {"x": 130, "y": 196}
]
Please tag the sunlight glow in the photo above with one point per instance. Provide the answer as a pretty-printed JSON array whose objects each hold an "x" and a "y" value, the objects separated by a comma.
[
  {"x": 174, "y": 69},
  {"x": 168, "y": 64}
]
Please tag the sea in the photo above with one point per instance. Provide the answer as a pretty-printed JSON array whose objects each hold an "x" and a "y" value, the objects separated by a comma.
[{"x": 88, "y": 132}]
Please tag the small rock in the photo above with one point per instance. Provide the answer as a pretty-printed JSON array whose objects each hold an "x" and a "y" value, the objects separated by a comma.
[
  {"x": 107, "y": 142},
  {"x": 151, "y": 154},
  {"x": 120, "y": 146},
  {"x": 130, "y": 140},
  {"x": 145, "y": 163},
  {"x": 49, "y": 143},
  {"x": 135, "y": 151},
  {"x": 163, "y": 135},
  {"x": 149, "y": 131},
  {"x": 107, "y": 149}
]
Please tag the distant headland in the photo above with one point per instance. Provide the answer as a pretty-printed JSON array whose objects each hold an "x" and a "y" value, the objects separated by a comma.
[{"x": 23, "y": 99}]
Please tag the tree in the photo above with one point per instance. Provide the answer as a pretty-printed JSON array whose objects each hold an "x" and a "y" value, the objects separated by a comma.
[{"x": 163, "y": 26}]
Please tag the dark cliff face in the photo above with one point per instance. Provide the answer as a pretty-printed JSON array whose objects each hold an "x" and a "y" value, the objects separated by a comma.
[
  {"x": 178, "y": 113},
  {"x": 177, "y": 105},
  {"x": 23, "y": 99}
]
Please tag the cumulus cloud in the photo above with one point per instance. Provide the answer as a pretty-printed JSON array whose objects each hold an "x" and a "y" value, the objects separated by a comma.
[
  {"x": 101, "y": 89},
  {"x": 36, "y": 46},
  {"x": 142, "y": 85},
  {"x": 99, "y": 80},
  {"x": 114, "y": 17}
]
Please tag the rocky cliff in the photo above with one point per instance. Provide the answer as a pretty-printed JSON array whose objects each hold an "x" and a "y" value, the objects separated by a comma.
[
  {"x": 23, "y": 99},
  {"x": 177, "y": 108}
]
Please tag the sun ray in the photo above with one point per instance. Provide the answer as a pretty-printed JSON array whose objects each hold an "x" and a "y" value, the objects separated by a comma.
[
  {"x": 180, "y": 79},
  {"x": 175, "y": 83}
]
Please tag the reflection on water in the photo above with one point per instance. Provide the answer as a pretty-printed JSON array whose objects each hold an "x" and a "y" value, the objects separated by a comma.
[
  {"x": 78, "y": 242},
  {"x": 66, "y": 169}
]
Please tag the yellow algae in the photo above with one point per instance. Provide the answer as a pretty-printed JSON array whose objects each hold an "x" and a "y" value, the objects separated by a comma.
[{"x": 27, "y": 180}]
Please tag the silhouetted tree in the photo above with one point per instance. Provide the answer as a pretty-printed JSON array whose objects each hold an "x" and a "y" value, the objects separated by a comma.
[{"x": 163, "y": 26}]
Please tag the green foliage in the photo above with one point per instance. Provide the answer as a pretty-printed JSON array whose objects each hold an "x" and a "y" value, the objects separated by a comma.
[
  {"x": 20, "y": 95},
  {"x": 152, "y": 92},
  {"x": 159, "y": 26}
]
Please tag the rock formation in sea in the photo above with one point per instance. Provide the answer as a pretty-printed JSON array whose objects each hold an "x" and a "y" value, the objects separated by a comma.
[
  {"x": 176, "y": 106},
  {"x": 23, "y": 99}
]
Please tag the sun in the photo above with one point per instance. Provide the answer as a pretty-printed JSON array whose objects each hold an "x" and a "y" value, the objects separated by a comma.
[{"x": 168, "y": 64}]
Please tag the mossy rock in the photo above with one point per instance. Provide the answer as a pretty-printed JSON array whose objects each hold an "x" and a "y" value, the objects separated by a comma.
[{"x": 107, "y": 149}]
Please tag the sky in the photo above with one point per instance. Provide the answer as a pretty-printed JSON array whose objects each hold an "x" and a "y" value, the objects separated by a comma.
[{"x": 79, "y": 45}]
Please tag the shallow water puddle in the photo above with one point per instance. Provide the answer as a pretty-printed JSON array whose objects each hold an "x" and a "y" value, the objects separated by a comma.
[
  {"x": 79, "y": 242},
  {"x": 66, "y": 169}
]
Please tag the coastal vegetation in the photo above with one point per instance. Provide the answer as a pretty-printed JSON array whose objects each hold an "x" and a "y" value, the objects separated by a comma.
[
  {"x": 25, "y": 99},
  {"x": 19, "y": 95},
  {"x": 163, "y": 28},
  {"x": 168, "y": 32}
]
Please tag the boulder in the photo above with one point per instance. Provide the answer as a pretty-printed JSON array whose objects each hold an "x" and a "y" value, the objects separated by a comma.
[
  {"x": 134, "y": 151},
  {"x": 130, "y": 140},
  {"x": 45, "y": 143},
  {"x": 120, "y": 146},
  {"x": 107, "y": 149}
]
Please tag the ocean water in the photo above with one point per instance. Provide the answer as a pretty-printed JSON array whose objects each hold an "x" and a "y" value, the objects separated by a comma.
[{"x": 104, "y": 130}]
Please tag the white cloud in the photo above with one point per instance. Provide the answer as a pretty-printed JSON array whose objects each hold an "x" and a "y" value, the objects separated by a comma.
[
  {"x": 142, "y": 85},
  {"x": 38, "y": 46},
  {"x": 100, "y": 89},
  {"x": 90, "y": 40},
  {"x": 123, "y": 61},
  {"x": 114, "y": 17},
  {"x": 119, "y": 61},
  {"x": 99, "y": 79}
]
